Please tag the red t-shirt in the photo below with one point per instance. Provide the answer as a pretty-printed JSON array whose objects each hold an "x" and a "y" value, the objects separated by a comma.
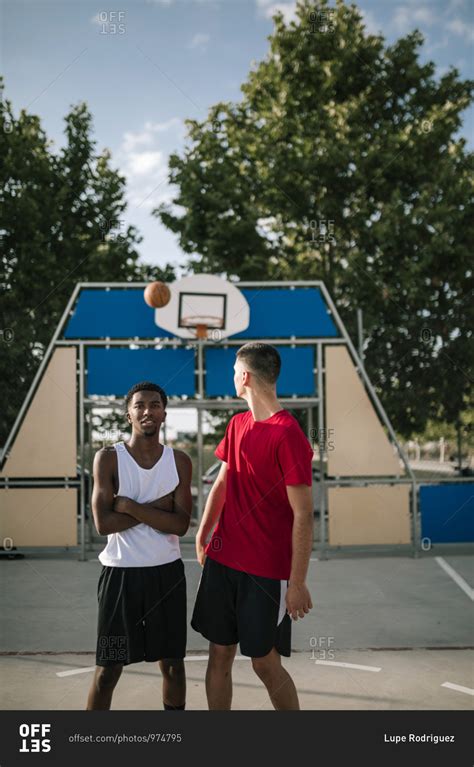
[{"x": 263, "y": 457}]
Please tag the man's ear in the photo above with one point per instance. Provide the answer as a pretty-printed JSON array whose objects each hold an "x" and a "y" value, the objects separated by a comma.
[
  {"x": 164, "y": 415},
  {"x": 128, "y": 417}
]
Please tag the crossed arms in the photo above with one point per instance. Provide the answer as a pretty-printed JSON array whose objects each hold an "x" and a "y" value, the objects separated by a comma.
[{"x": 113, "y": 514}]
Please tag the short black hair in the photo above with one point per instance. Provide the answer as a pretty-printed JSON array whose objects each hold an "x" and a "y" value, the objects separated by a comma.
[
  {"x": 262, "y": 359},
  {"x": 145, "y": 386}
]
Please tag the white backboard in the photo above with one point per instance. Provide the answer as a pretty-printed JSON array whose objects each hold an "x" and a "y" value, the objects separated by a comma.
[{"x": 204, "y": 299}]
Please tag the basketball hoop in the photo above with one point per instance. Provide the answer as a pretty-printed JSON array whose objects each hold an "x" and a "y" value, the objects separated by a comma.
[
  {"x": 201, "y": 323},
  {"x": 203, "y": 306}
]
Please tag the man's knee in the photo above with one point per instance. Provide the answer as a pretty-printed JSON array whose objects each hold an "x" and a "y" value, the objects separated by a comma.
[
  {"x": 266, "y": 666},
  {"x": 173, "y": 668},
  {"x": 107, "y": 676},
  {"x": 222, "y": 656}
]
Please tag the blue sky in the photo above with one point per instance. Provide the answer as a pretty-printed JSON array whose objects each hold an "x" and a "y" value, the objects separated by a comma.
[{"x": 174, "y": 59}]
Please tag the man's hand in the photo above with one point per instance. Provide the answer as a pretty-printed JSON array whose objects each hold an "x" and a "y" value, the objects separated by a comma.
[
  {"x": 165, "y": 503},
  {"x": 298, "y": 600},
  {"x": 200, "y": 546},
  {"x": 122, "y": 504}
]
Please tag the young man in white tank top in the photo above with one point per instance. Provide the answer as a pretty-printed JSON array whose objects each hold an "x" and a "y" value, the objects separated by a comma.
[{"x": 142, "y": 501}]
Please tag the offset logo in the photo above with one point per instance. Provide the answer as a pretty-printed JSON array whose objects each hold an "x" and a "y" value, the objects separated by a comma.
[{"x": 34, "y": 738}]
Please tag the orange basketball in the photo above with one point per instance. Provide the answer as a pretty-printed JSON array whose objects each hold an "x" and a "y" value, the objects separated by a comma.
[{"x": 157, "y": 294}]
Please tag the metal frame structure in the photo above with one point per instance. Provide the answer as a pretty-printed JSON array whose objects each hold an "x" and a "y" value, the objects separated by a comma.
[{"x": 200, "y": 403}]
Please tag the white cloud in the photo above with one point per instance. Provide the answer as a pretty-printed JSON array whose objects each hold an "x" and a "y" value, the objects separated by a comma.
[
  {"x": 407, "y": 17},
  {"x": 142, "y": 163},
  {"x": 268, "y": 8},
  {"x": 146, "y": 137},
  {"x": 173, "y": 122},
  {"x": 132, "y": 140},
  {"x": 461, "y": 28},
  {"x": 143, "y": 159},
  {"x": 199, "y": 41},
  {"x": 146, "y": 174}
]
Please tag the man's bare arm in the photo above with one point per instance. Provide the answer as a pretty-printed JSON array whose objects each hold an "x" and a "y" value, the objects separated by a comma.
[
  {"x": 106, "y": 520},
  {"x": 171, "y": 514},
  {"x": 298, "y": 599},
  {"x": 214, "y": 505}
]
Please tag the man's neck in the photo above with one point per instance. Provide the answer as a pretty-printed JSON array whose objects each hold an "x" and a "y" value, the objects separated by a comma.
[
  {"x": 145, "y": 445},
  {"x": 263, "y": 404}
]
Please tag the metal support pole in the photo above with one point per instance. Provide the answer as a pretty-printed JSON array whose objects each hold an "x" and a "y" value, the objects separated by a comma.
[
  {"x": 360, "y": 333},
  {"x": 90, "y": 524},
  {"x": 310, "y": 423},
  {"x": 414, "y": 514},
  {"x": 311, "y": 437},
  {"x": 185, "y": 343},
  {"x": 200, "y": 441},
  {"x": 459, "y": 443},
  {"x": 200, "y": 465},
  {"x": 82, "y": 556},
  {"x": 321, "y": 441}
]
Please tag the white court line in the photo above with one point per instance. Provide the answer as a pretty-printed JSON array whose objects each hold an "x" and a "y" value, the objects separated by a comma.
[
  {"x": 458, "y": 688},
  {"x": 206, "y": 657},
  {"x": 73, "y": 671},
  {"x": 456, "y": 577},
  {"x": 348, "y": 665}
]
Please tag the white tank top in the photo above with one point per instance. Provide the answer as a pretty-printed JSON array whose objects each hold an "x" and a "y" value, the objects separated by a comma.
[{"x": 142, "y": 546}]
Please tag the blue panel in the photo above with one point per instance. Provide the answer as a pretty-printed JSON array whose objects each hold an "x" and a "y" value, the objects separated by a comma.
[
  {"x": 282, "y": 312},
  {"x": 274, "y": 313},
  {"x": 447, "y": 512},
  {"x": 296, "y": 377},
  {"x": 113, "y": 314},
  {"x": 115, "y": 371}
]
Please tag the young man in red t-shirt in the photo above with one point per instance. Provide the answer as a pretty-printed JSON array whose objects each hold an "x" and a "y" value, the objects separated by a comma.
[{"x": 255, "y": 565}]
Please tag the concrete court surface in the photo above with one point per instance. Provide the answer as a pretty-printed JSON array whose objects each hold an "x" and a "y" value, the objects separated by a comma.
[{"x": 385, "y": 632}]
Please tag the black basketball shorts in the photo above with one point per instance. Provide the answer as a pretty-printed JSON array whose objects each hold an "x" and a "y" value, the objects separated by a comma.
[
  {"x": 235, "y": 607},
  {"x": 142, "y": 614}
]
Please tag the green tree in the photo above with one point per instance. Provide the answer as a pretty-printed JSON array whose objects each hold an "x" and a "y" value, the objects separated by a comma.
[
  {"x": 61, "y": 222},
  {"x": 343, "y": 161}
]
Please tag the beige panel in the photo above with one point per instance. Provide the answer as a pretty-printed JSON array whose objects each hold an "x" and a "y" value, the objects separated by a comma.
[
  {"x": 40, "y": 516},
  {"x": 46, "y": 443},
  {"x": 379, "y": 514},
  {"x": 360, "y": 445}
]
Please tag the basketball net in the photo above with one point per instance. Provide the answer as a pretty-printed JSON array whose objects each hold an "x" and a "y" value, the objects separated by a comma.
[
  {"x": 200, "y": 324},
  {"x": 201, "y": 331}
]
